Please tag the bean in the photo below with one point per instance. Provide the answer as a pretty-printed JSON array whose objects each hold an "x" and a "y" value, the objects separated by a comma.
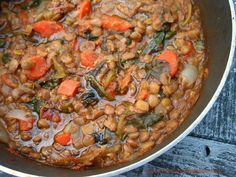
[
  {"x": 130, "y": 129},
  {"x": 88, "y": 140},
  {"x": 26, "y": 150},
  {"x": 27, "y": 64},
  {"x": 174, "y": 114},
  {"x": 120, "y": 109},
  {"x": 46, "y": 151},
  {"x": 147, "y": 146},
  {"x": 37, "y": 139},
  {"x": 172, "y": 124},
  {"x": 155, "y": 136},
  {"x": 144, "y": 136},
  {"x": 128, "y": 55},
  {"x": 166, "y": 103},
  {"x": 131, "y": 142},
  {"x": 34, "y": 155},
  {"x": 136, "y": 36},
  {"x": 109, "y": 110},
  {"x": 87, "y": 45},
  {"x": 67, "y": 59},
  {"x": 43, "y": 124},
  {"x": 154, "y": 87},
  {"x": 111, "y": 123},
  {"x": 153, "y": 100},
  {"x": 25, "y": 136},
  {"x": 13, "y": 65},
  {"x": 159, "y": 125},
  {"x": 142, "y": 106},
  {"x": 133, "y": 135},
  {"x": 165, "y": 78},
  {"x": 127, "y": 148}
]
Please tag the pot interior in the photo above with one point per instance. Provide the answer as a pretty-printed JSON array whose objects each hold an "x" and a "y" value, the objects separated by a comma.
[{"x": 217, "y": 24}]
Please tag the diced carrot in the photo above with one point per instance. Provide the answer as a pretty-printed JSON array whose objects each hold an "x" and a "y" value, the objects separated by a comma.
[
  {"x": 7, "y": 80},
  {"x": 75, "y": 45},
  {"x": 111, "y": 89},
  {"x": 39, "y": 69},
  {"x": 23, "y": 15},
  {"x": 47, "y": 28},
  {"x": 68, "y": 88},
  {"x": 125, "y": 81},
  {"x": 171, "y": 58},
  {"x": 143, "y": 94},
  {"x": 63, "y": 139},
  {"x": 88, "y": 58},
  {"x": 115, "y": 23},
  {"x": 26, "y": 125},
  {"x": 85, "y": 8}
]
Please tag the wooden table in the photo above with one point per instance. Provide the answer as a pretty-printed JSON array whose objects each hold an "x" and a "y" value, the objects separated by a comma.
[{"x": 210, "y": 150}]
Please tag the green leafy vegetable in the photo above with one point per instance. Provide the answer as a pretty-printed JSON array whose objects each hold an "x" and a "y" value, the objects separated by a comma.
[
  {"x": 90, "y": 97},
  {"x": 35, "y": 105},
  {"x": 199, "y": 45},
  {"x": 60, "y": 72},
  {"x": 31, "y": 4},
  {"x": 89, "y": 36},
  {"x": 50, "y": 84},
  {"x": 145, "y": 120},
  {"x": 6, "y": 58},
  {"x": 98, "y": 87}
]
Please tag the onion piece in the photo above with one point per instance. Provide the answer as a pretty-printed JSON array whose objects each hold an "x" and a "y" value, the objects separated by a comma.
[
  {"x": 17, "y": 114},
  {"x": 4, "y": 136},
  {"x": 189, "y": 74}
]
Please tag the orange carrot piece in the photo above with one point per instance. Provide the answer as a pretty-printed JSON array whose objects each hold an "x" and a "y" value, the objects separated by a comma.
[
  {"x": 125, "y": 81},
  {"x": 172, "y": 59},
  {"x": 115, "y": 23},
  {"x": 88, "y": 58},
  {"x": 143, "y": 94},
  {"x": 38, "y": 70},
  {"x": 85, "y": 8},
  {"x": 68, "y": 88},
  {"x": 47, "y": 28},
  {"x": 26, "y": 125},
  {"x": 63, "y": 139},
  {"x": 7, "y": 80}
]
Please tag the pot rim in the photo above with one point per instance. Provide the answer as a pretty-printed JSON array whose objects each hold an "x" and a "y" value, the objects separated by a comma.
[{"x": 183, "y": 134}]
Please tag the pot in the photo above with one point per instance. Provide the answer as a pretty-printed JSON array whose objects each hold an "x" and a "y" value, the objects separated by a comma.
[{"x": 218, "y": 18}]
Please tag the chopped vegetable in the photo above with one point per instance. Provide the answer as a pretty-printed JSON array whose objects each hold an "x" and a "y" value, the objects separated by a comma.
[
  {"x": 88, "y": 58},
  {"x": 199, "y": 45},
  {"x": 189, "y": 15},
  {"x": 115, "y": 23},
  {"x": 17, "y": 114},
  {"x": 35, "y": 39},
  {"x": 50, "y": 84},
  {"x": 68, "y": 88},
  {"x": 108, "y": 79},
  {"x": 189, "y": 74},
  {"x": 85, "y": 8},
  {"x": 6, "y": 58},
  {"x": 145, "y": 120},
  {"x": 26, "y": 125},
  {"x": 63, "y": 139},
  {"x": 4, "y": 135},
  {"x": 89, "y": 36},
  {"x": 47, "y": 28},
  {"x": 143, "y": 94},
  {"x": 6, "y": 78},
  {"x": 98, "y": 87},
  {"x": 100, "y": 138},
  {"x": 35, "y": 105},
  {"x": 31, "y": 4},
  {"x": 90, "y": 97},
  {"x": 39, "y": 69},
  {"x": 172, "y": 59},
  {"x": 124, "y": 83},
  {"x": 60, "y": 72}
]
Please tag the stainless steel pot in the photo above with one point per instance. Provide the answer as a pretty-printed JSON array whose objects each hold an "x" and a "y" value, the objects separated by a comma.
[{"x": 218, "y": 17}]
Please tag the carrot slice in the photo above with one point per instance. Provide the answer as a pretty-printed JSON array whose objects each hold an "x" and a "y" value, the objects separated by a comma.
[
  {"x": 88, "y": 58},
  {"x": 172, "y": 59},
  {"x": 47, "y": 28},
  {"x": 143, "y": 94},
  {"x": 26, "y": 125},
  {"x": 39, "y": 69},
  {"x": 115, "y": 23},
  {"x": 85, "y": 8},
  {"x": 68, "y": 88},
  {"x": 63, "y": 139},
  {"x": 7, "y": 80}
]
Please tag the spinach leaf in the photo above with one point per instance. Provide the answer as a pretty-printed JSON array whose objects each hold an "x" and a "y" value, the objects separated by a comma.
[
  {"x": 35, "y": 105},
  {"x": 90, "y": 97},
  {"x": 31, "y": 4},
  {"x": 50, "y": 84},
  {"x": 145, "y": 120},
  {"x": 89, "y": 36},
  {"x": 6, "y": 58}
]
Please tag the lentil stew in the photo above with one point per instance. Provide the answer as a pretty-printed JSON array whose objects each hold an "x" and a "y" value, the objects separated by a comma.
[{"x": 96, "y": 83}]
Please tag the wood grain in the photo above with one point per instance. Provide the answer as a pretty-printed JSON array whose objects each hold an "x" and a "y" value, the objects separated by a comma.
[{"x": 192, "y": 157}]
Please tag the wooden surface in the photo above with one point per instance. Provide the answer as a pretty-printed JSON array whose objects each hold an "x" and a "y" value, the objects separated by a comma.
[{"x": 210, "y": 150}]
